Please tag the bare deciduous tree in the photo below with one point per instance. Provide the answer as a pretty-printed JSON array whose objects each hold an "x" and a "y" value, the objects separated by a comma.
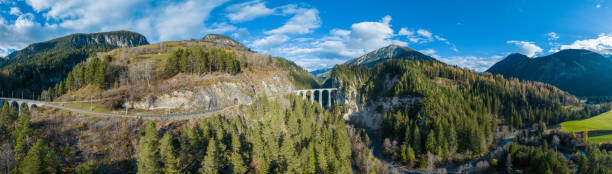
[{"x": 6, "y": 157}]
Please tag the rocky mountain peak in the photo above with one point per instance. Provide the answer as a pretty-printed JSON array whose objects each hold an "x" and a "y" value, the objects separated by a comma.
[
  {"x": 389, "y": 52},
  {"x": 224, "y": 40}
]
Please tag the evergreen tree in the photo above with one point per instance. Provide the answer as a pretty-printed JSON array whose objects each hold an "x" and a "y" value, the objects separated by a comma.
[
  {"x": 430, "y": 145},
  {"x": 236, "y": 156},
  {"x": 99, "y": 78},
  {"x": 87, "y": 168},
  {"x": 416, "y": 139},
  {"x": 210, "y": 163},
  {"x": 148, "y": 161},
  {"x": 40, "y": 159},
  {"x": 288, "y": 155},
  {"x": 171, "y": 162},
  {"x": 22, "y": 131}
]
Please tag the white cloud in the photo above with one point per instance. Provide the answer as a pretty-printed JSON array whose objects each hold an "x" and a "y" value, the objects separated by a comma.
[
  {"x": 424, "y": 33},
  {"x": 20, "y": 33},
  {"x": 340, "y": 44},
  {"x": 428, "y": 51},
  {"x": 527, "y": 48},
  {"x": 371, "y": 35},
  {"x": 15, "y": 11},
  {"x": 304, "y": 21},
  {"x": 598, "y": 6},
  {"x": 269, "y": 41},
  {"x": 405, "y": 32},
  {"x": 479, "y": 64},
  {"x": 248, "y": 11},
  {"x": 312, "y": 64},
  {"x": 552, "y": 36},
  {"x": 602, "y": 44},
  {"x": 158, "y": 20}
]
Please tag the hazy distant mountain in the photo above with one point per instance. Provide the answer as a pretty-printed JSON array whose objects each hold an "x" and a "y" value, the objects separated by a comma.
[
  {"x": 386, "y": 53},
  {"x": 580, "y": 72}
]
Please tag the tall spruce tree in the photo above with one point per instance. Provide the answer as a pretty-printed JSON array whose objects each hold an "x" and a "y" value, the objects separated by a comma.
[
  {"x": 148, "y": 161},
  {"x": 171, "y": 162}
]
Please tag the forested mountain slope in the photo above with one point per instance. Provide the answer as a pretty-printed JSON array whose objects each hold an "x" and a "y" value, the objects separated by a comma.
[
  {"x": 43, "y": 64},
  {"x": 424, "y": 108},
  {"x": 580, "y": 72}
]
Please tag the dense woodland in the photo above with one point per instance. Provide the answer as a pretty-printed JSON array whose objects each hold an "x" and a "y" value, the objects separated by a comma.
[
  {"x": 268, "y": 138},
  {"x": 460, "y": 109},
  {"x": 198, "y": 60}
]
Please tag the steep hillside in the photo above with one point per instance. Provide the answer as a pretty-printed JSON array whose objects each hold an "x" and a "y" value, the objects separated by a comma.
[
  {"x": 425, "y": 108},
  {"x": 180, "y": 76},
  {"x": 43, "y": 64},
  {"x": 580, "y": 72}
]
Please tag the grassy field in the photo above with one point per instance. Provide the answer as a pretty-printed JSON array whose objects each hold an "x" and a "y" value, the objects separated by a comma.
[
  {"x": 600, "y": 122},
  {"x": 601, "y": 138}
]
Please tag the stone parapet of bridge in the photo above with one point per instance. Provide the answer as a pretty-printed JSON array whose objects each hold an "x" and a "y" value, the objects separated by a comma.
[{"x": 304, "y": 92}]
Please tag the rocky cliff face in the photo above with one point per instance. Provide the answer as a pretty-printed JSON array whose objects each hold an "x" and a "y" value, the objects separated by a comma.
[
  {"x": 368, "y": 113},
  {"x": 119, "y": 39},
  {"x": 224, "y": 41},
  {"x": 220, "y": 92}
]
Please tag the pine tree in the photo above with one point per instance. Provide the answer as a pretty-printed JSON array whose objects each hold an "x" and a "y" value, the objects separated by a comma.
[
  {"x": 236, "y": 156},
  {"x": 99, "y": 78},
  {"x": 40, "y": 159},
  {"x": 416, "y": 139},
  {"x": 22, "y": 130},
  {"x": 148, "y": 161},
  {"x": 288, "y": 155},
  {"x": 171, "y": 162},
  {"x": 87, "y": 168},
  {"x": 430, "y": 145},
  {"x": 210, "y": 163}
]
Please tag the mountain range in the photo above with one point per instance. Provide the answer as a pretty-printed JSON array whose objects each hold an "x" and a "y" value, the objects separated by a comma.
[{"x": 580, "y": 72}]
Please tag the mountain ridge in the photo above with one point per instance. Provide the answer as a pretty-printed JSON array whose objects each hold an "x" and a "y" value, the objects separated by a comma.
[
  {"x": 389, "y": 52},
  {"x": 120, "y": 38},
  {"x": 580, "y": 72}
]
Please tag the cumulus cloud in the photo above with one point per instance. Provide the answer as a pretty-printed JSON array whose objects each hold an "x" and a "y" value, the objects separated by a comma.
[
  {"x": 527, "y": 48},
  {"x": 405, "y": 32},
  {"x": 20, "y": 33},
  {"x": 602, "y": 44},
  {"x": 340, "y": 44},
  {"x": 269, "y": 41},
  {"x": 248, "y": 11},
  {"x": 552, "y": 36},
  {"x": 158, "y": 20},
  {"x": 475, "y": 63},
  {"x": 304, "y": 21},
  {"x": 15, "y": 11}
]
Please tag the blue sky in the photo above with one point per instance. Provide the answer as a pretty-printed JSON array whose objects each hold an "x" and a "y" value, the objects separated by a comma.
[{"x": 319, "y": 34}]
